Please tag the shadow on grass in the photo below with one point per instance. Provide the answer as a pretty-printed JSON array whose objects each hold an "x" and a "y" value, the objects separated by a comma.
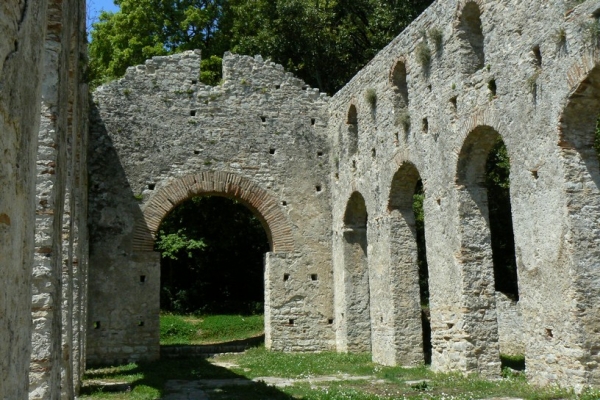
[
  {"x": 152, "y": 377},
  {"x": 199, "y": 350}
]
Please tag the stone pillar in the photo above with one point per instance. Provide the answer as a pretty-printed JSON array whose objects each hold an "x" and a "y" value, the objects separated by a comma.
[
  {"x": 51, "y": 182},
  {"x": 476, "y": 333},
  {"x": 22, "y": 30}
]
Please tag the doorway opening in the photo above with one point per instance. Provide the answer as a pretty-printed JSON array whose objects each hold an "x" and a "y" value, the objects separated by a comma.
[{"x": 212, "y": 284}]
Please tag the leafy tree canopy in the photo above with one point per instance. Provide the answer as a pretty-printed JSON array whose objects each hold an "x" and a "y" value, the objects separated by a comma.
[
  {"x": 324, "y": 42},
  {"x": 142, "y": 29}
]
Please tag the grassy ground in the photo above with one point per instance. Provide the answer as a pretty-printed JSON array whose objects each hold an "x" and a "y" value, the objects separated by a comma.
[
  {"x": 147, "y": 380},
  {"x": 190, "y": 329}
]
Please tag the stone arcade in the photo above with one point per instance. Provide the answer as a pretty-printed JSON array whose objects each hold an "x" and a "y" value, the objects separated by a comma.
[{"x": 331, "y": 179}]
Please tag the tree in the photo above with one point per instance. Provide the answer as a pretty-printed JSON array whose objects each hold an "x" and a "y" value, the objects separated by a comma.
[
  {"x": 212, "y": 252},
  {"x": 142, "y": 29},
  {"x": 324, "y": 42}
]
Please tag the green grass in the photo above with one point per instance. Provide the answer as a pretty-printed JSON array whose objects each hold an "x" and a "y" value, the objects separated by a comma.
[
  {"x": 258, "y": 362},
  {"x": 147, "y": 380},
  {"x": 190, "y": 329}
]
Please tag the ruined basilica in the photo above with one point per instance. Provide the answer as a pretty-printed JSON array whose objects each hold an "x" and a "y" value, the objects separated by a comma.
[{"x": 85, "y": 181}]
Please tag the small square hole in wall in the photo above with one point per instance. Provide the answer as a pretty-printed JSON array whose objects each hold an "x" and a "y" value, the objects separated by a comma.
[
  {"x": 277, "y": 86},
  {"x": 454, "y": 103},
  {"x": 537, "y": 56},
  {"x": 318, "y": 188},
  {"x": 290, "y": 322},
  {"x": 535, "y": 174},
  {"x": 330, "y": 321},
  {"x": 492, "y": 87},
  {"x": 142, "y": 278},
  {"x": 263, "y": 119},
  {"x": 286, "y": 277},
  {"x": 151, "y": 186},
  {"x": 313, "y": 121},
  {"x": 196, "y": 152},
  {"x": 284, "y": 203},
  {"x": 193, "y": 113},
  {"x": 549, "y": 333},
  {"x": 373, "y": 153},
  {"x": 425, "y": 125},
  {"x": 313, "y": 277},
  {"x": 96, "y": 325},
  {"x": 337, "y": 175},
  {"x": 140, "y": 323},
  {"x": 194, "y": 81},
  {"x": 271, "y": 151},
  {"x": 319, "y": 154}
]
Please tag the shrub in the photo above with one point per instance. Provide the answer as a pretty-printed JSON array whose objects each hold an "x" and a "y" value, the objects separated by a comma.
[
  {"x": 371, "y": 97},
  {"x": 423, "y": 53},
  {"x": 437, "y": 37}
]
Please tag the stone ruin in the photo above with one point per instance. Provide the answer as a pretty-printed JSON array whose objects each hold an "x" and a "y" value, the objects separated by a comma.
[{"x": 85, "y": 185}]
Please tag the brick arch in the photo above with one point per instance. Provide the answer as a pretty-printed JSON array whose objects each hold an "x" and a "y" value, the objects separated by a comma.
[
  {"x": 486, "y": 118},
  {"x": 263, "y": 204}
]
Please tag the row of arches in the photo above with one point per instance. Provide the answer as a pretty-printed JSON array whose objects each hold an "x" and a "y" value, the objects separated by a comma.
[
  {"x": 471, "y": 43},
  {"x": 559, "y": 191},
  {"x": 486, "y": 240}
]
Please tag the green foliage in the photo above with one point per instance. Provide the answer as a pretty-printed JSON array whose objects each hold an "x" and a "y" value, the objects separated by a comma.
[
  {"x": 437, "y": 37},
  {"x": 513, "y": 362},
  {"x": 175, "y": 329},
  {"x": 142, "y": 29},
  {"x": 173, "y": 245},
  {"x": 211, "y": 70},
  {"x": 181, "y": 329},
  {"x": 323, "y": 42},
  {"x": 147, "y": 380},
  {"x": 294, "y": 365},
  {"x": 500, "y": 215},
  {"x": 423, "y": 54},
  {"x": 560, "y": 36},
  {"x": 403, "y": 120},
  {"x": 498, "y": 167},
  {"x": 371, "y": 97},
  {"x": 212, "y": 258}
]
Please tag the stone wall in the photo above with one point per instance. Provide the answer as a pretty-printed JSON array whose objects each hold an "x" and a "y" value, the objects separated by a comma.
[
  {"x": 160, "y": 137},
  {"x": 22, "y": 30},
  {"x": 60, "y": 205},
  {"x": 43, "y": 110},
  {"x": 510, "y": 326},
  {"x": 332, "y": 181},
  {"x": 430, "y": 106}
]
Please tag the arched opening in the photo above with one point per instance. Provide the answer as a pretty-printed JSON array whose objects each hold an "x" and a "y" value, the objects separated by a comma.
[
  {"x": 398, "y": 79},
  {"x": 212, "y": 283},
  {"x": 487, "y": 247},
  {"x": 580, "y": 150},
  {"x": 352, "y": 127},
  {"x": 470, "y": 34},
  {"x": 356, "y": 314},
  {"x": 409, "y": 262}
]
